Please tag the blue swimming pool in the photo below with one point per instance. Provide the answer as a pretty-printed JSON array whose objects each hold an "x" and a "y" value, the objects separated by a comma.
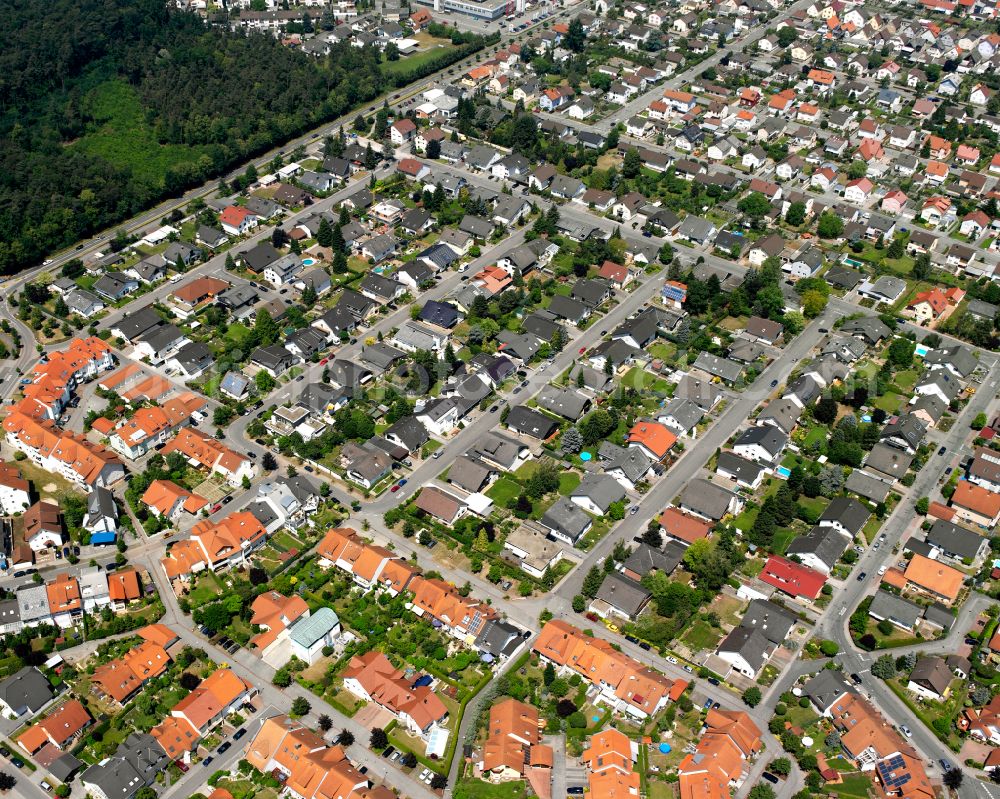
[
  {"x": 308, "y": 261},
  {"x": 784, "y": 471},
  {"x": 921, "y": 350}
]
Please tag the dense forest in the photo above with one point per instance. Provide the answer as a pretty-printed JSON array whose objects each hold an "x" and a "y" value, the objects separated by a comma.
[{"x": 107, "y": 106}]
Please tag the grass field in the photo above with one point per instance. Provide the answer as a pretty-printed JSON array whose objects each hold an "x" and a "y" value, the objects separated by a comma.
[
  {"x": 567, "y": 482},
  {"x": 890, "y": 402},
  {"x": 503, "y": 490},
  {"x": 120, "y": 135},
  {"x": 854, "y": 785},
  {"x": 782, "y": 538},
  {"x": 480, "y": 789},
  {"x": 393, "y": 68},
  {"x": 701, "y": 635}
]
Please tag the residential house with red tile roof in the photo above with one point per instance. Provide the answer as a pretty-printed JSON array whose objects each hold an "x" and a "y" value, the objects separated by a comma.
[
  {"x": 60, "y": 728},
  {"x": 62, "y": 452},
  {"x": 793, "y": 578},
  {"x": 624, "y": 684},
  {"x": 373, "y": 678},
  {"x": 205, "y": 452},
  {"x": 513, "y": 749}
]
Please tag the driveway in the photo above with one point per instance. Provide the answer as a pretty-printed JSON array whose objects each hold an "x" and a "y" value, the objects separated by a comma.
[{"x": 372, "y": 716}]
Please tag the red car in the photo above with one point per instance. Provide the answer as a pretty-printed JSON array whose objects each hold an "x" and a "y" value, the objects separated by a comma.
[
  {"x": 216, "y": 507},
  {"x": 181, "y": 765},
  {"x": 394, "y": 488},
  {"x": 583, "y": 350},
  {"x": 324, "y": 362}
]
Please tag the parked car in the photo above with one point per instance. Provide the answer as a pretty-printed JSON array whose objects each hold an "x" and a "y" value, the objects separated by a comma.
[
  {"x": 225, "y": 747},
  {"x": 181, "y": 765},
  {"x": 239, "y": 733},
  {"x": 862, "y": 576},
  {"x": 767, "y": 775},
  {"x": 207, "y": 761}
]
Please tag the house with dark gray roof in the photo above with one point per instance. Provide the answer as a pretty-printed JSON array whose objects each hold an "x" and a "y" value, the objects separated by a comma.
[
  {"x": 518, "y": 345},
  {"x": 681, "y": 415},
  {"x": 565, "y": 402},
  {"x": 887, "y": 463},
  {"x": 531, "y": 423},
  {"x": 723, "y": 368},
  {"x": 702, "y": 393},
  {"x": 499, "y": 639},
  {"x": 620, "y": 596},
  {"x": 845, "y": 515},
  {"x": 763, "y": 443},
  {"x": 826, "y": 688},
  {"x": 627, "y": 465},
  {"x": 957, "y": 542},
  {"x": 746, "y": 650},
  {"x": 645, "y": 559},
  {"x": 781, "y": 413},
  {"x": 931, "y": 678},
  {"x": 867, "y": 486},
  {"x": 408, "y": 433},
  {"x": 567, "y": 521},
  {"x": 591, "y": 292},
  {"x": 380, "y": 357},
  {"x": 905, "y": 432},
  {"x": 542, "y": 325},
  {"x": 709, "y": 500},
  {"x": 957, "y": 359},
  {"x": 867, "y": 328},
  {"x": 441, "y": 314},
  {"x": 275, "y": 359},
  {"x": 134, "y": 765},
  {"x": 773, "y": 621},
  {"x": 820, "y": 548},
  {"x": 896, "y": 610},
  {"x": 743, "y": 472},
  {"x": 597, "y": 492},
  {"x": 569, "y": 309},
  {"x": 470, "y": 474},
  {"x": 476, "y": 226},
  {"x": 25, "y": 691}
]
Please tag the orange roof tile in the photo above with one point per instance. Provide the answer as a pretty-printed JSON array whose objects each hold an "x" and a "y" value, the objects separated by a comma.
[
  {"x": 976, "y": 499},
  {"x": 158, "y": 634},
  {"x": 933, "y": 576},
  {"x": 654, "y": 436}
]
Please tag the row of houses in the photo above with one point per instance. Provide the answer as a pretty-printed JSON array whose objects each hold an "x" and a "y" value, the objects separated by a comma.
[
  {"x": 474, "y": 623},
  {"x": 64, "y": 599}
]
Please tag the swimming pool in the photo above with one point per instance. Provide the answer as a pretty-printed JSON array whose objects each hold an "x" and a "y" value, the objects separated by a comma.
[
  {"x": 921, "y": 350},
  {"x": 853, "y": 262},
  {"x": 784, "y": 471},
  {"x": 308, "y": 261}
]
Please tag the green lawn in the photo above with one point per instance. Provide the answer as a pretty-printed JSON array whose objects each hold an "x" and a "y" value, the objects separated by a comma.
[
  {"x": 208, "y": 589},
  {"x": 567, "y": 482},
  {"x": 746, "y": 519},
  {"x": 854, "y": 785},
  {"x": 815, "y": 504},
  {"x": 817, "y": 433},
  {"x": 392, "y": 69},
  {"x": 642, "y": 381},
  {"x": 119, "y": 133},
  {"x": 504, "y": 490},
  {"x": 890, "y": 402},
  {"x": 906, "y": 380},
  {"x": 702, "y": 636},
  {"x": 480, "y": 789},
  {"x": 782, "y": 538}
]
